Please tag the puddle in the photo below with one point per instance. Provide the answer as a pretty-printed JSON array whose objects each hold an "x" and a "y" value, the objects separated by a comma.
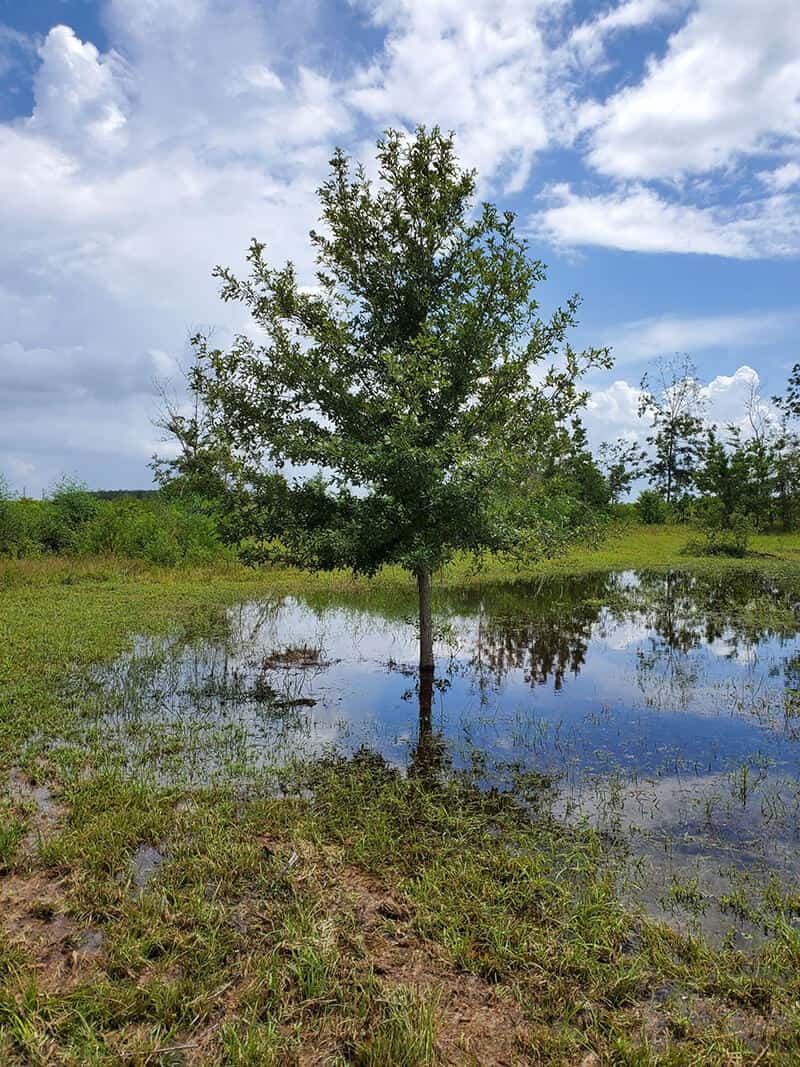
[
  {"x": 40, "y": 795},
  {"x": 144, "y": 863},
  {"x": 91, "y": 941},
  {"x": 666, "y": 707}
]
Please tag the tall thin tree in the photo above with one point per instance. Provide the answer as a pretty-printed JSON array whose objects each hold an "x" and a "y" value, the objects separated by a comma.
[{"x": 673, "y": 401}]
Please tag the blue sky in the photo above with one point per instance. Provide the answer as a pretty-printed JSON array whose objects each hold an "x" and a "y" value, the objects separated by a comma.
[{"x": 651, "y": 149}]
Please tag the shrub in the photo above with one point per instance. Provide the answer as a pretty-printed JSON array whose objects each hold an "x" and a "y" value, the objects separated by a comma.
[
  {"x": 652, "y": 509},
  {"x": 158, "y": 531},
  {"x": 76, "y": 521},
  {"x": 625, "y": 512},
  {"x": 70, "y": 507},
  {"x": 8, "y": 520},
  {"x": 20, "y": 524},
  {"x": 721, "y": 537}
]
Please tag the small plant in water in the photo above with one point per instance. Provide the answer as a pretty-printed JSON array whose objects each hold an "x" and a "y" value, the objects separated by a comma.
[
  {"x": 294, "y": 656},
  {"x": 685, "y": 894}
]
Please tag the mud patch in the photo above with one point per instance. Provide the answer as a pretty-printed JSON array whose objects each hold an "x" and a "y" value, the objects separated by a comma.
[
  {"x": 47, "y": 813},
  {"x": 475, "y": 1020},
  {"x": 35, "y": 918}
]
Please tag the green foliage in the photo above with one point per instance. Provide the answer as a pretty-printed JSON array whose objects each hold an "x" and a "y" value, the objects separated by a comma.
[
  {"x": 652, "y": 509},
  {"x": 403, "y": 378},
  {"x": 73, "y": 521},
  {"x": 674, "y": 406}
]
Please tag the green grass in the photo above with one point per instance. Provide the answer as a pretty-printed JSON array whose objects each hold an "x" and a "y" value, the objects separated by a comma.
[
  {"x": 361, "y": 920},
  {"x": 638, "y": 547}
]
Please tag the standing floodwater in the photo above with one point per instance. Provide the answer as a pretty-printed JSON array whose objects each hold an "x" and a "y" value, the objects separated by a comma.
[{"x": 663, "y": 706}]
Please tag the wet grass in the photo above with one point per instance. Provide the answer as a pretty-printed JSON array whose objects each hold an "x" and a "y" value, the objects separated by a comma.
[{"x": 359, "y": 917}]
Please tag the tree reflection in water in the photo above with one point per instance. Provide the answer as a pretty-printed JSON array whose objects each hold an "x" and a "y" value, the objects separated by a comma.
[{"x": 654, "y": 630}]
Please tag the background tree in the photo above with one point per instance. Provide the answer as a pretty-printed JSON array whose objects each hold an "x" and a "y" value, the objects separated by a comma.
[
  {"x": 757, "y": 446},
  {"x": 786, "y": 474},
  {"x": 716, "y": 477},
  {"x": 673, "y": 401},
  {"x": 786, "y": 452},
  {"x": 621, "y": 462},
  {"x": 789, "y": 402},
  {"x": 205, "y": 474},
  {"x": 748, "y": 476},
  {"x": 403, "y": 378},
  {"x": 578, "y": 475}
]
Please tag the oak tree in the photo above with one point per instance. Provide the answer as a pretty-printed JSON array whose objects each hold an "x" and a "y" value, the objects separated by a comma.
[{"x": 414, "y": 395}]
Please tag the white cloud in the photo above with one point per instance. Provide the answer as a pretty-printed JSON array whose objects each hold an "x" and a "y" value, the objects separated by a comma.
[
  {"x": 728, "y": 86},
  {"x": 480, "y": 67},
  {"x": 782, "y": 178},
  {"x": 256, "y": 77},
  {"x": 666, "y": 334},
  {"x": 638, "y": 219},
  {"x": 589, "y": 38}
]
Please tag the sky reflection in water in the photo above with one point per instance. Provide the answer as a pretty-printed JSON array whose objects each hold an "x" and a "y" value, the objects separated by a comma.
[{"x": 661, "y": 702}]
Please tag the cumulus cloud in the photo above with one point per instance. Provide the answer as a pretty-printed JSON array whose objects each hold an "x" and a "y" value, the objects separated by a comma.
[
  {"x": 637, "y": 218},
  {"x": 612, "y": 411},
  {"x": 79, "y": 95},
  {"x": 131, "y": 178},
  {"x": 728, "y": 85}
]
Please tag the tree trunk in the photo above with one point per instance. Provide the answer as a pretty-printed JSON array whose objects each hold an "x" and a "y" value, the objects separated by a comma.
[
  {"x": 426, "y": 756},
  {"x": 425, "y": 621},
  {"x": 670, "y": 462}
]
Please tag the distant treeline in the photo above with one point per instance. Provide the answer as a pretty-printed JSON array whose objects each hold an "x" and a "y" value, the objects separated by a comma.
[
  {"x": 144, "y": 524},
  {"x": 119, "y": 494},
  {"x": 727, "y": 480}
]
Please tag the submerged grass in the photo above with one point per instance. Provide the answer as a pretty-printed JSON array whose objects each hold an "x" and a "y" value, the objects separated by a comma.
[{"x": 360, "y": 917}]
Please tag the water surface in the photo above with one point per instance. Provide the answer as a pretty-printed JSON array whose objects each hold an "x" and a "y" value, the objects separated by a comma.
[{"x": 665, "y": 707}]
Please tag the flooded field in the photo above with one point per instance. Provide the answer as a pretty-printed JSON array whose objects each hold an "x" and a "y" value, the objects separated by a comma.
[{"x": 662, "y": 708}]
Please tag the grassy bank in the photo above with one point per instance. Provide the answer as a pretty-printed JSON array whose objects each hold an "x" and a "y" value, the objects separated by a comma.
[
  {"x": 641, "y": 547},
  {"x": 359, "y": 918}
]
